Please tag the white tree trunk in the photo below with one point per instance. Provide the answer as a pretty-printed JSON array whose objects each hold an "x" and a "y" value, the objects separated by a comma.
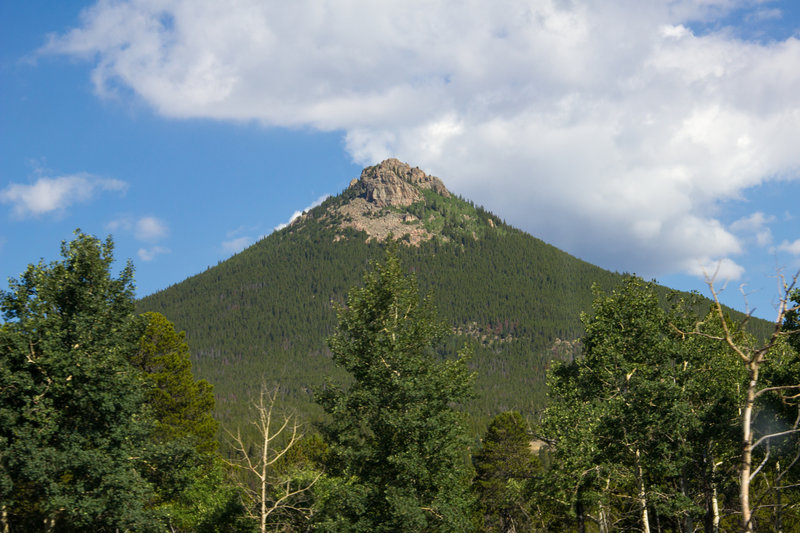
[
  {"x": 714, "y": 498},
  {"x": 642, "y": 494},
  {"x": 603, "y": 518},
  {"x": 747, "y": 449}
]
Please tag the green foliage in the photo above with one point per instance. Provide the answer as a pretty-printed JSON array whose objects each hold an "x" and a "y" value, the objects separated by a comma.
[
  {"x": 102, "y": 426},
  {"x": 647, "y": 425},
  {"x": 73, "y": 435},
  {"x": 183, "y": 431},
  {"x": 210, "y": 503},
  {"x": 503, "y": 467},
  {"x": 397, "y": 446},
  {"x": 264, "y": 314},
  {"x": 640, "y": 419},
  {"x": 181, "y": 406}
]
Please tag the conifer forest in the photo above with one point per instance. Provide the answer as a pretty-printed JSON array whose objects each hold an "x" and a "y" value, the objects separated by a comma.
[{"x": 385, "y": 398}]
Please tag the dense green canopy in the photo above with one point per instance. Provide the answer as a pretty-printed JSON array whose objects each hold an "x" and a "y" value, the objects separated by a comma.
[
  {"x": 398, "y": 446},
  {"x": 74, "y": 435}
]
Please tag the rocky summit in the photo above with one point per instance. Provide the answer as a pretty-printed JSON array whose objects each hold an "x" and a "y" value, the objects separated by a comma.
[
  {"x": 395, "y": 183},
  {"x": 375, "y": 201}
]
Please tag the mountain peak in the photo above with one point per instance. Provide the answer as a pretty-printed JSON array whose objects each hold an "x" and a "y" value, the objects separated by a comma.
[
  {"x": 394, "y": 198},
  {"x": 394, "y": 183}
]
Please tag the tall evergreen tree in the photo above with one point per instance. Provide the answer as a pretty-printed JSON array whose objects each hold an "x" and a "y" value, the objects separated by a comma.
[
  {"x": 72, "y": 427},
  {"x": 397, "y": 443},
  {"x": 181, "y": 405},
  {"x": 183, "y": 432},
  {"x": 503, "y": 467}
]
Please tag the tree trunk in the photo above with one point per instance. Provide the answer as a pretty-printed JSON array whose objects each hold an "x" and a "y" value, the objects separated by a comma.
[
  {"x": 642, "y": 494},
  {"x": 778, "y": 498},
  {"x": 711, "y": 518},
  {"x": 603, "y": 516},
  {"x": 688, "y": 522},
  {"x": 714, "y": 498},
  {"x": 581, "y": 517},
  {"x": 264, "y": 464},
  {"x": 747, "y": 448}
]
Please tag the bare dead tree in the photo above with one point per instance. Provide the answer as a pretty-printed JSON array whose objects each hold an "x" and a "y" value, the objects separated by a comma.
[
  {"x": 754, "y": 358},
  {"x": 272, "y": 492}
]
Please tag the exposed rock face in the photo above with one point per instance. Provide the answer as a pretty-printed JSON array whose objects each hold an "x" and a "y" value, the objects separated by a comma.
[
  {"x": 381, "y": 193},
  {"x": 364, "y": 216},
  {"x": 393, "y": 182}
]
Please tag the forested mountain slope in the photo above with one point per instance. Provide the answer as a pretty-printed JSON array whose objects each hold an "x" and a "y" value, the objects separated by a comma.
[{"x": 264, "y": 314}]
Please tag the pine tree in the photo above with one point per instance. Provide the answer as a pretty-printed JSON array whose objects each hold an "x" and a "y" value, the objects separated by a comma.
[
  {"x": 503, "y": 467},
  {"x": 397, "y": 443},
  {"x": 182, "y": 406},
  {"x": 183, "y": 433}
]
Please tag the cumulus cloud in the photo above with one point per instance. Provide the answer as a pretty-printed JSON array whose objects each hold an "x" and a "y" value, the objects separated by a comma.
[
  {"x": 147, "y": 228},
  {"x": 790, "y": 247},
  {"x": 296, "y": 214},
  {"x": 148, "y": 254},
  {"x": 755, "y": 225},
  {"x": 611, "y": 129},
  {"x": 150, "y": 229},
  {"x": 54, "y": 195},
  {"x": 722, "y": 270}
]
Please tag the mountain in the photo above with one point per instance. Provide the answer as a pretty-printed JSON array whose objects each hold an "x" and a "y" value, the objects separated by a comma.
[{"x": 264, "y": 314}]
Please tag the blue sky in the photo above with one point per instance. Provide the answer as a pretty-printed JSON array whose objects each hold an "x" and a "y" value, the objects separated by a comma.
[{"x": 652, "y": 137}]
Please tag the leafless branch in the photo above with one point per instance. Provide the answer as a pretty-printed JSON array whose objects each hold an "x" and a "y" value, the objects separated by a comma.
[
  {"x": 782, "y": 387},
  {"x": 773, "y": 435},
  {"x": 273, "y": 492},
  {"x": 760, "y": 466}
]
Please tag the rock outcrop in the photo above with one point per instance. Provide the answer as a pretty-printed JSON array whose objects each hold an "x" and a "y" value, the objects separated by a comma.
[
  {"x": 393, "y": 182},
  {"x": 381, "y": 193}
]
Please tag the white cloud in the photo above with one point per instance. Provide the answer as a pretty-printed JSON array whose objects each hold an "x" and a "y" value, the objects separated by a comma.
[
  {"x": 790, "y": 247},
  {"x": 150, "y": 229},
  {"x": 53, "y": 195},
  {"x": 148, "y": 254},
  {"x": 755, "y": 225},
  {"x": 608, "y": 128},
  {"x": 722, "y": 270},
  {"x": 147, "y": 228},
  {"x": 296, "y": 214},
  {"x": 120, "y": 224}
]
